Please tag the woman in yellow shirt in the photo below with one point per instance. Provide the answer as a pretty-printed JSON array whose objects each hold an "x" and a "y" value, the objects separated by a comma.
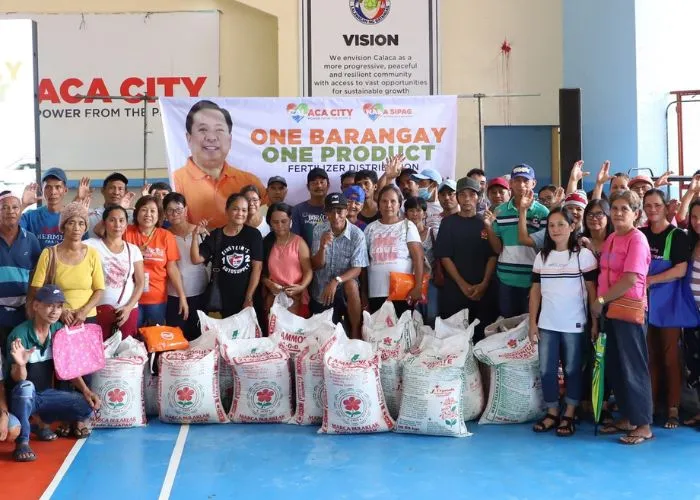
[{"x": 76, "y": 268}]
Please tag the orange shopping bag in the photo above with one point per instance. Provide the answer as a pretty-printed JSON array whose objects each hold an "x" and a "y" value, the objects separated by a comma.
[
  {"x": 402, "y": 283},
  {"x": 163, "y": 338}
]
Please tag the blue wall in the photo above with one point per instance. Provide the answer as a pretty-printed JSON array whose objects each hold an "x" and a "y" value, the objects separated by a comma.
[
  {"x": 505, "y": 147},
  {"x": 600, "y": 59}
]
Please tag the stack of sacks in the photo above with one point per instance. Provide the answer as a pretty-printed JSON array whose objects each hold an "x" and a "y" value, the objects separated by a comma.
[
  {"x": 292, "y": 330},
  {"x": 120, "y": 383},
  {"x": 433, "y": 388},
  {"x": 515, "y": 393}
]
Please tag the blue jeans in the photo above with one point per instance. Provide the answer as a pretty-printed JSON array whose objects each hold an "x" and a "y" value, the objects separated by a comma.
[
  {"x": 50, "y": 405},
  {"x": 568, "y": 347},
  {"x": 513, "y": 300},
  {"x": 152, "y": 314}
]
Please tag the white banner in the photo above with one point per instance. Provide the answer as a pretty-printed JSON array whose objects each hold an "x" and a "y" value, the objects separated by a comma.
[
  {"x": 369, "y": 47},
  {"x": 289, "y": 137},
  {"x": 161, "y": 54}
]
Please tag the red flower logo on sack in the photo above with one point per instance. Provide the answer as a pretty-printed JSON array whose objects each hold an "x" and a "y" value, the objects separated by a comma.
[
  {"x": 387, "y": 340},
  {"x": 265, "y": 398},
  {"x": 184, "y": 396},
  {"x": 512, "y": 343},
  {"x": 115, "y": 398},
  {"x": 352, "y": 406}
]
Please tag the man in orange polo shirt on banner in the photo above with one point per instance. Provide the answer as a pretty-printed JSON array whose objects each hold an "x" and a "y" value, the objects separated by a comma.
[{"x": 206, "y": 180}]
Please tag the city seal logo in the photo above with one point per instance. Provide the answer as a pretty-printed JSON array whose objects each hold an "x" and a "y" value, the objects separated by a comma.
[
  {"x": 373, "y": 111},
  {"x": 297, "y": 111},
  {"x": 370, "y": 11}
]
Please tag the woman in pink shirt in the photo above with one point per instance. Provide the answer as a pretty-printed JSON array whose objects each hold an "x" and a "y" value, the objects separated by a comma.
[{"x": 624, "y": 263}]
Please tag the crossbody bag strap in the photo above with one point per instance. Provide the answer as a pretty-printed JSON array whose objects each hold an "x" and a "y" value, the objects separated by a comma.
[
  {"x": 217, "y": 262},
  {"x": 128, "y": 272},
  {"x": 667, "y": 245},
  {"x": 612, "y": 243},
  {"x": 51, "y": 268}
]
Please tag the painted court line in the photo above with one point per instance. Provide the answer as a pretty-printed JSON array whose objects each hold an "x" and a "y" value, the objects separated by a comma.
[
  {"x": 51, "y": 489},
  {"x": 174, "y": 463}
]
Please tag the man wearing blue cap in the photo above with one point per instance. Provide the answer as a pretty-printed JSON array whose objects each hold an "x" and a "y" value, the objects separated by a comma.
[
  {"x": 43, "y": 221},
  {"x": 32, "y": 375},
  {"x": 515, "y": 261}
]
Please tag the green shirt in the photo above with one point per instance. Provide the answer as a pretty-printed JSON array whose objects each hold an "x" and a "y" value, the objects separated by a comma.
[
  {"x": 40, "y": 366},
  {"x": 515, "y": 262}
]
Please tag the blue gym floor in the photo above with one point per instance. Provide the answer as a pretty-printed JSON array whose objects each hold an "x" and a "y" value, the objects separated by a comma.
[{"x": 289, "y": 462}]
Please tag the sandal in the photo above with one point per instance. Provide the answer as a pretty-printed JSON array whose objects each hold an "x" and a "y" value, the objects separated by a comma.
[
  {"x": 566, "y": 430},
  {"x": 692, "y": 422},
  {"x": 63, "y": 430},
  {"x": 634, "y": 439},
  {"x": 616, "y": 429},
  {"x": 81, "y": 432},
  {"x": 541, "y": 426},
  {"x": 672, "y": 423},
  {"x": 23, "y": 453},
  {"x": 606, "y": 417},
  {"x": 43, "y": 433}
]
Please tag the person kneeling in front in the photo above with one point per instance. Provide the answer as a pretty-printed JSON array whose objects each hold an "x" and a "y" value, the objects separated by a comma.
[{"x": 32, "y": 374}]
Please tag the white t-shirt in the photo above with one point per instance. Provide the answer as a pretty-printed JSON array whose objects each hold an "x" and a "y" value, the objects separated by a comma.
[
  {"x": 116, "y": 267},
  {"x": 387, "y": 245},
  {"x": 195, "y": 277},
  {"x": 264, "y": 228},
  {"x": 564, "y": 295}
]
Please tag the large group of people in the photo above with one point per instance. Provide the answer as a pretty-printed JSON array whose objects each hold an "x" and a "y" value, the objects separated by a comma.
[{"x": 578, "y": 263}]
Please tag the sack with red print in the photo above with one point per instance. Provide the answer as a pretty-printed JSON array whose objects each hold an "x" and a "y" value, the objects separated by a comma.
[
  {"x": 308, "y": 373},
  {"x": 262, "y": 385},
  {"x": 383, "y": 317},
  {"x": 515, "y": 393},
  {"x": 188, "y": 390},
  {"x": 392, "y": 343},
  {"x": 120, "y": 385},
  {"x": 458, "y": 325},
  {"x": 294, "y": 329},
  {"x": 433, "y": 388},
  {"x": 354, "y": 397}
]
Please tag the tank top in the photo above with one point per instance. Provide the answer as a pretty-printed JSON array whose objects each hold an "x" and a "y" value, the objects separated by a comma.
[{"x": 284, "y": 265}]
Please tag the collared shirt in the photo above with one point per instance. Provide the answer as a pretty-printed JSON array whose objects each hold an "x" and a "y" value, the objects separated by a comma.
[
  {"x": 16, "y": 263},
  {"x": 206, "y": 197},
  {"x": 515, "y": 262},
  {"x": 40, "y": 365},
  {"x": 345, "y": 251}
]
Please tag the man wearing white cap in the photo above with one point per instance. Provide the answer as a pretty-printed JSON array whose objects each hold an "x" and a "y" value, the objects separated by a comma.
[
  {"x": 428, "y": 181},
  {"x": 19, "y": 253}
]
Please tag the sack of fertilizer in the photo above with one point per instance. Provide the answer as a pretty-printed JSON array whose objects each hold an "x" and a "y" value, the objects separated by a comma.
[
  {"x": 391, "y": 343},
  {"x": 188, "y": 389},
  {"x": 120, "y": 386},
  {"x": 384, "y": 317},
  {"x": 515, "y": 393},
  {"x": 293, "y": 329},
  {"x": 261, "y": 381},
  {"x": 112, "y": 344},
  {"x": 433, "y": 388},
  {"x": 308, "y": 373},
  {"x": 458, "y": 325},
  {"x": 354, "y": 400}
]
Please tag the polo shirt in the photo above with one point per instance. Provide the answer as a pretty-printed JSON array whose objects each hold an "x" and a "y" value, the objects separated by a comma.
[
  {"x": 40, "y": 369},
  {"x": 206, "y": 196},
  {"x": 515, "y": 262},
  {"x": 16, "y": 263}
]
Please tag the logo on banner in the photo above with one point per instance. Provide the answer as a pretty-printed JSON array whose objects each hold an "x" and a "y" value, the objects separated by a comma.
[
  {"x": 302, "y": 110},
  {"x": 297, "y": 111},
  {"x": 370, "y": 11},
  {"x": 377, "y": 110},
  {"x": 373, "y": 111}
]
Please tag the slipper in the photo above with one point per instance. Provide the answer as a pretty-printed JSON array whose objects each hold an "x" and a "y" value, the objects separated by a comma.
[
  {"x": 632, "y": 440},
  {"x": 63, "y": 430},
  {"x": 81, "y": 432},
  {"x": 43, "y": 433},
  {"x": 606, "y": 417},
  {"x": 23, "y": 453},
  {"x": 672, "y": 423},
  {"x": 692, "y": 422},
  {"x": 615, "y": 429}
]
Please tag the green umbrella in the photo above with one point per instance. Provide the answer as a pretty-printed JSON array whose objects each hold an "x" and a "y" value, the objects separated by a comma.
[{"x": 597, "y": 386}]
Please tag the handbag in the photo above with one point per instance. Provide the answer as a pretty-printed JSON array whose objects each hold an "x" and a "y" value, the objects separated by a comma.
[
  {"x": 213, "y": 301},
  {"x": 438, "y": 270},
  {"x": 163, "y": 338},
  {"x": 625, "y": 308},
  {"x": 78, "y": 351}
]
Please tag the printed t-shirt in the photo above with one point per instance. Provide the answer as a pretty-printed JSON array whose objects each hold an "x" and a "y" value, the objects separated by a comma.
[
  {"x": 624, "y": 254},
  {"x": 680, "y": 244},
  {"x": 387, "y": 245},
  {"x": 44, "y": 225},
  {"x": 77, "y": 282},
  {"x": 304, "y": 218},
  {"x": 118, "y": 270},
  {"x": 157, "y": 249}
]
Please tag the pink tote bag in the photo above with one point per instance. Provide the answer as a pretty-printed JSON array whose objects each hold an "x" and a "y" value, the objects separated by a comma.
[{"x": 78, "y": 351}]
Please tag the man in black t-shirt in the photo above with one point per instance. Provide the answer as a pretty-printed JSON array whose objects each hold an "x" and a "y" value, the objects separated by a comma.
[{"x": 468, "y": 260}]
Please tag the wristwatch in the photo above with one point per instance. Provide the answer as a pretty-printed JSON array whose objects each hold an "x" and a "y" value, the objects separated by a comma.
[
  {"x": 339, "y": 280},
  {"x": 601, "y": 300}
]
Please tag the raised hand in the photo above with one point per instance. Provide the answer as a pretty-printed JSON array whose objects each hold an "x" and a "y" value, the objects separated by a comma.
[
  {"x": 84, "y": 190},
  {"x": 695, "y": 184},
  {"x": 577, "y": 172},
  {"x": 604, "y": 173},
  {"x": 663, "y": 180},
  {"x": 393, "y": 165},
  {"x": 559, "y": 196},
  {"x": 127, "y": 201},
  {"x": 30, "y": 195},
  {"x": 145, "y": 189},
  {"x": 527, "y": 200},
  {"x": 19, "y": 354}
]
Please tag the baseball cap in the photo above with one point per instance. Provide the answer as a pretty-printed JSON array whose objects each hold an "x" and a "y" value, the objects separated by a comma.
[
  {"x": 355, "y": 193},
  {"x": 315, "y": 173},
  {"x": 640, "y": 178},
  {"x": 428, "y": 174},
  {"x": 448, "y": 183},
  {"x": 468, "y": 183},
  {"x": 523, "y": 170},
  {"x": 116, "y": 176},
  {"x": 335, "y": 200},
  {"x": 277, "y": 178},
  {"x": 50, "y": 294},
  {"x": 408, "y": 171},
  {"x": 56, "y": 173},
  {"x": 576, "y": 199},
  {"x": 498, "y": 181}
]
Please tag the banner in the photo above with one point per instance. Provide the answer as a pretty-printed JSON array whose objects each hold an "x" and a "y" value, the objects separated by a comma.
[
  {"x": 369, "y": 47},
  {"x": 103, "y": 55},
  {"x": 289, "y": 137}
]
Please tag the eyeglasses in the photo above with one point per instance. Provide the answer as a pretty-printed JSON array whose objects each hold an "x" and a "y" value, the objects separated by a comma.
[
  {"x": 596, "y": 215},
  {"x": 175, "y": 211}
]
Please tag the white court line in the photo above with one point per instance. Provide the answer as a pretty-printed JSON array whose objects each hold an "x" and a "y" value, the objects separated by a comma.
[
  {"x": 64, "y": 468},
  {"x": 174, "y": 463}
]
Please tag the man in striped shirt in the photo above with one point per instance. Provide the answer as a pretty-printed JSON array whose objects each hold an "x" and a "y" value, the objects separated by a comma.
[{"x": 515, "y": 261}]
